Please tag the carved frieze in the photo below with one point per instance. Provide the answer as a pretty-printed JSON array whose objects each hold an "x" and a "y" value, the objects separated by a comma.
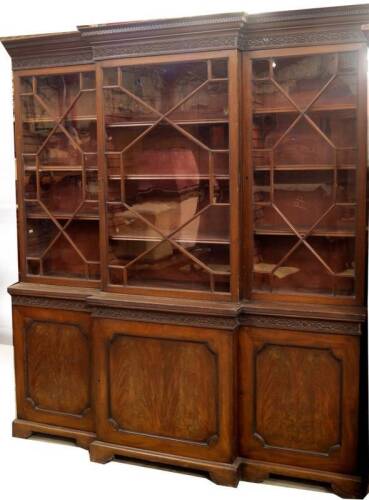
[
  {"x": 44, "y": 61},
  {"x": 166, "y": 46},
  {"x": 200, "y": 320},
  {"x": 264, "y": 40},
  {"x": 166, "y": 317},
  {"x": 308, "y": 324},
  {"x": 49, "y": 302}
]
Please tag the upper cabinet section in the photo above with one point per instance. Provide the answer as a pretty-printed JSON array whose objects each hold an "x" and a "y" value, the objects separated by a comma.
[
  {"x": 57, "y": 160},
  {"x": 166, "y": 131},
  {"x": 218, "y": 157},
  {"x": 307, "y": 162}
]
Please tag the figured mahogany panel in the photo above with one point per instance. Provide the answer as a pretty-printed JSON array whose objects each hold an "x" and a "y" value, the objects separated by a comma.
[
  {"x": 53, "y": 367},
  {"x": 285, "y": 418},
  {"x": 57, "y": 366},
  {"x": 299, "y": 398},
  {"x": 163, "y": 387}
]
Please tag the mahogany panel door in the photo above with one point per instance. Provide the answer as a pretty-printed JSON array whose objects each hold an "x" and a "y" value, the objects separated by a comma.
[
  {"x": 53, "y": 367},
  {"x": 299, "y": 398},
  {"x": 165, "y": 388}
]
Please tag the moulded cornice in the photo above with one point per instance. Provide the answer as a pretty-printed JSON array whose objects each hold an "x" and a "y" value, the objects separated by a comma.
[
  {"x": 235, "y": 30},
  {"x": 214, "y": 21}
]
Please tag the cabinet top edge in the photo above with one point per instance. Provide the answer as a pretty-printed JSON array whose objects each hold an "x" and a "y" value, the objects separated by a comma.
[
  {"x": 241, "y": 22},
  {"x": 135, "y": 28}
]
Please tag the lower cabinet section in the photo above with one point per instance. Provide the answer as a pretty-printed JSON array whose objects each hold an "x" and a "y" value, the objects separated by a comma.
[
  {"x": 240, "y": 402},
  {"x": 165, "y": 388},
  {"x": 53, "y": 367},
  {"x": 299, "y": 398}
]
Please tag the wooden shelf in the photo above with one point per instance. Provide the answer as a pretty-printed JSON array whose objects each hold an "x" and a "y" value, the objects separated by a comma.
[
  {"x": 283, "y": 109},
  {"x": 62, "y": 168},
  {"x": 167, "y": 177},
  {"x": 281, "y": 168},
  {"x": 210, "y": 241},
  {"x": 335, "y": 233},
  {"x": 62, "y": 215},
  {"x": 66, "y": 119},
  {"x": 204, "y": 121}
]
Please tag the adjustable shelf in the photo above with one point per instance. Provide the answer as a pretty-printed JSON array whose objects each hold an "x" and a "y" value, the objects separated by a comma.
[
  {"x": 144, "y": 123},
  {"x": 65, "y": 119},
  {"x": 169, "y": 177},
  {"x": 61, "y": 168},
  {"x": 285, "y": 109},
  {"x": 206, "y": 241},
  {"x": 63, "y": 215},
  {"x": 334, "y": 233},
  {"x": 304, "y": 167}
]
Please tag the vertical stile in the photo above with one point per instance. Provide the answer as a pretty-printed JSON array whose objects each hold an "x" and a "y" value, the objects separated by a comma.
[
  {"x": 361, "y": 174},
  {"x": 247, "y": 241},
  {"x": 102, "y": 177},
  {"x": 122, "y": 179},
  {"x": 234, "y": 180},
  {"x": 20, "y": 175},
  {"x": 211, "y": 178}
]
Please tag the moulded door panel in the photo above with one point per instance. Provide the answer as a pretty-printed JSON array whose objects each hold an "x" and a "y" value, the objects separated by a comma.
[
  {"x": 165, "y": 388},
  {"x": 53, "y": 367},
  {"x": 299, "y": 398}
]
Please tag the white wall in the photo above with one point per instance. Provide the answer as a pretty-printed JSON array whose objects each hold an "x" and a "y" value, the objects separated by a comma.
[
  {"x": 8, "y": 240},
  {"x": 27, "y": 17}
]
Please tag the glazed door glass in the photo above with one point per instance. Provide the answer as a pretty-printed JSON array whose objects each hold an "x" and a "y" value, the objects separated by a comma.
[
  {"x": 305, "y": 158},
  {"x": 167, "y": 175},
  {"x": 59, "y": 175}
]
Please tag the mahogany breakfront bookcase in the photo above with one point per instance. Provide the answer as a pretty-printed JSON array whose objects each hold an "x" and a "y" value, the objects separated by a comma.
[{"x": 192, "y": 242}]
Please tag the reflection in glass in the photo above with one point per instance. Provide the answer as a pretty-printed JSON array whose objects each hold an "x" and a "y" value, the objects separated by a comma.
[
  {"x": 61, "y": 192},
  {"x": 302, "y": 271},
  {"x": 302, "y": 77},
  {"x": 304, "y": 145}
]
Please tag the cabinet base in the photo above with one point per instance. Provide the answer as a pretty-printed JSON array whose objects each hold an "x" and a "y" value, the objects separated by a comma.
[
  {"x": 345, "y": 486},
  {"x": 220, "y": 473},
  {"x": 24, "y": 429}
]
